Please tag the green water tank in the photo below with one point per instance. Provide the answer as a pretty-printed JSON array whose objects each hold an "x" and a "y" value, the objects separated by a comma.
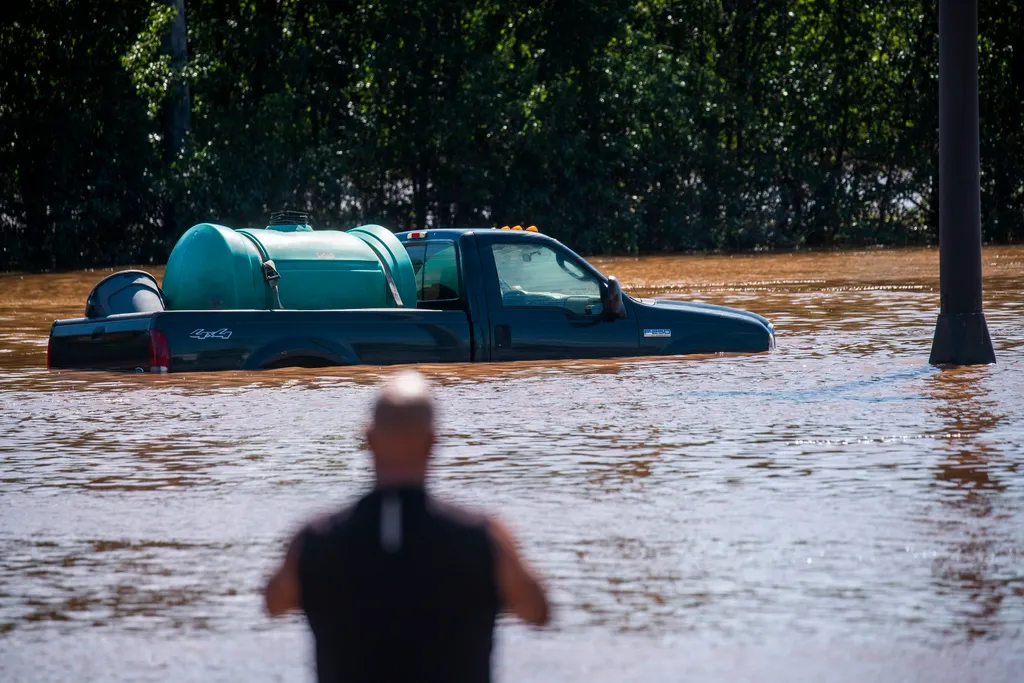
[{"x": 213, "y": 267}]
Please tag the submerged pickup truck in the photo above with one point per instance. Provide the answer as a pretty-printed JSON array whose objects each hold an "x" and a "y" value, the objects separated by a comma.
[{"x": 481, "y": 295}]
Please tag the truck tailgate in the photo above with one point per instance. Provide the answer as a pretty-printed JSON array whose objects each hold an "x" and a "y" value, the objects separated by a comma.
[{"x": 118, "y": 342}]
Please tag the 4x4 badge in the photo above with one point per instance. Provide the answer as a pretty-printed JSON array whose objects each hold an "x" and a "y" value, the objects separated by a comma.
[
  {"x": 657, "y": 333},
  {"x": 222, "y": 333}
]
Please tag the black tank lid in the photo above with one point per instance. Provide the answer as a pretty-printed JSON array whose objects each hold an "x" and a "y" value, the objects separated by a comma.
[{"x": 289, "y": 217}]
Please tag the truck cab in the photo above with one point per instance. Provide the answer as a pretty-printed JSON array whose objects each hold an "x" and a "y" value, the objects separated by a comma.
[{"x": 527, "y": 295}]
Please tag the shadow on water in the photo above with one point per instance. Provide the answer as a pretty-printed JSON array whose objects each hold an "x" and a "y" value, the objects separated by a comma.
[{"x": 844, "y": 390}]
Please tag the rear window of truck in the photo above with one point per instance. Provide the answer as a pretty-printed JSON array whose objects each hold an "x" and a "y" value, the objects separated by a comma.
[{"x": 436, "y": 265}]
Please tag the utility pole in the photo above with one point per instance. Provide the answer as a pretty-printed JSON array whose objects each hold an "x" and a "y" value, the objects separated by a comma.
[
  {"x": 178, "y": 106},
  {"x": 961, "y": 334},
  {"x": 176, "y": 116}
]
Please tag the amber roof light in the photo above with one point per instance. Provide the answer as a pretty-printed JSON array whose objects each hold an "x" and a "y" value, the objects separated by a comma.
[{"x": 532, "y": 228}]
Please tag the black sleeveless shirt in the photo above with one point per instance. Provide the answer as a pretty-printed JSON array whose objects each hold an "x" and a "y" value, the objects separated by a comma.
[{"x": 400, "y": 587}]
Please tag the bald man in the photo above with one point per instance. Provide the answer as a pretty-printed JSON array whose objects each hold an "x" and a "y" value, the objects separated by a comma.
[{"x": 400, "y": 586}]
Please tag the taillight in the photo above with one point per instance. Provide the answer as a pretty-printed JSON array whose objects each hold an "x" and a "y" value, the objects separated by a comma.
[
  {"x": 49, "y": 346},
  {"x": 159, "y": 352}
]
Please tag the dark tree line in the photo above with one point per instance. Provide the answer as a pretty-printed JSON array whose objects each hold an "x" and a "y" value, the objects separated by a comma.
[{"x": 615, "y": 125}]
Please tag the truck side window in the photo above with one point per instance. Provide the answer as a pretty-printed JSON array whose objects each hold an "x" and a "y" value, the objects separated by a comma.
[
  {"x": 440, "y": 274},
  {"x": 437, "y": 273},
  {"x": 534, "y": 275}
]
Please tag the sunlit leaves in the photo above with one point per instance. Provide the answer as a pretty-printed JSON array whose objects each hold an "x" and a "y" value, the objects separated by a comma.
[{"x": 146, "y": 61}]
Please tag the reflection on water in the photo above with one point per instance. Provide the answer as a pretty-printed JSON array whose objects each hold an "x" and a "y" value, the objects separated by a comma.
[
  {"x": 985, "y": 568},
  {"x": 837, "y": 508}
]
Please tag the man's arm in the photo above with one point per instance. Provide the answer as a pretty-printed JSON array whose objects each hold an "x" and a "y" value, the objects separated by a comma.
[
  {"x": 282, "y": 593},
  {"x": 521, "y": 591}
]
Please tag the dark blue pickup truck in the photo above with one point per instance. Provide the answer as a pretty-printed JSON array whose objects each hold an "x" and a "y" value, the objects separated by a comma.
[{"x": 481, "y": 295}]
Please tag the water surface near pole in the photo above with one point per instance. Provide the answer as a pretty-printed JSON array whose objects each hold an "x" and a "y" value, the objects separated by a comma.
[{"x": 838, "y": 510}]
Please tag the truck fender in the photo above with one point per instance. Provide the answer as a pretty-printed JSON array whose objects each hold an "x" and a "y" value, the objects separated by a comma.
[{"x": 300, "y": 347}]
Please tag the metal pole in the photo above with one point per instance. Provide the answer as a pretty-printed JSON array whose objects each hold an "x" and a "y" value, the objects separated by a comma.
[
  {"x": 178, "y": 108},
  {"x": 961, "y": 334}
]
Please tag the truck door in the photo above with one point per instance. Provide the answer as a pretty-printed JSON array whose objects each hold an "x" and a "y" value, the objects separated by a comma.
[{"x": 545, "y": 304}]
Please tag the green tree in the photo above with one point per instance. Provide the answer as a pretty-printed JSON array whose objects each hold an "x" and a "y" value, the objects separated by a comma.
[{"x": 618, "y": 126}]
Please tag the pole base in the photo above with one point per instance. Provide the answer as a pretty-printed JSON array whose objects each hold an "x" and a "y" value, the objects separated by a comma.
[{"x": 962, "y": 339}]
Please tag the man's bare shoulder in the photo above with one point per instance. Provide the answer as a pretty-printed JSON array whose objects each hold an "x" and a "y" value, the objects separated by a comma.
[{"x": 500, "y": 532}]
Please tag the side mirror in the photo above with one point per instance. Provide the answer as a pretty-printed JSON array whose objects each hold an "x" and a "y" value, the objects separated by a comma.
[{"x": 614, "y": 308}]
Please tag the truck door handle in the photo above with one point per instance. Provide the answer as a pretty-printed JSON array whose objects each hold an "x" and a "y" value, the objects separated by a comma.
[{"x": 502, "y": 336}]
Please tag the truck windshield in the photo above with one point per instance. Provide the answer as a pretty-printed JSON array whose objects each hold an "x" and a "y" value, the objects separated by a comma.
[{"x": 537, "y": 275}]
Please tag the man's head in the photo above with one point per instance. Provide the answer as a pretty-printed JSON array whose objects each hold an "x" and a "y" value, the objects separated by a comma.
[{"x": 401, "y": 435}]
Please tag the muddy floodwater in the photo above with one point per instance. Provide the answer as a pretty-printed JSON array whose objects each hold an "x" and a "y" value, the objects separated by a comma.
[{"x": 837, "y": 510}]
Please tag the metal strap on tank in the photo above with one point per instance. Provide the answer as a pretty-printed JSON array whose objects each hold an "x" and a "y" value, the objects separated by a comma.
[
  {"x": 387, "y": 275},
  {"x": 270, "y": 274}
]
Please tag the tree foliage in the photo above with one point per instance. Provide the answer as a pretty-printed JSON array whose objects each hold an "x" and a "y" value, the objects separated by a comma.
[{"x": 618, "y": 126}]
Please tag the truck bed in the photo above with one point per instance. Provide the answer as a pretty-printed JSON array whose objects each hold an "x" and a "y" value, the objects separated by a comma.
[{"x": 251, "y": 339}]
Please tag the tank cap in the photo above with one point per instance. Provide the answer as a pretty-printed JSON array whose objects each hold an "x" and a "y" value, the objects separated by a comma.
[{"x": 290, "y": 221}]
